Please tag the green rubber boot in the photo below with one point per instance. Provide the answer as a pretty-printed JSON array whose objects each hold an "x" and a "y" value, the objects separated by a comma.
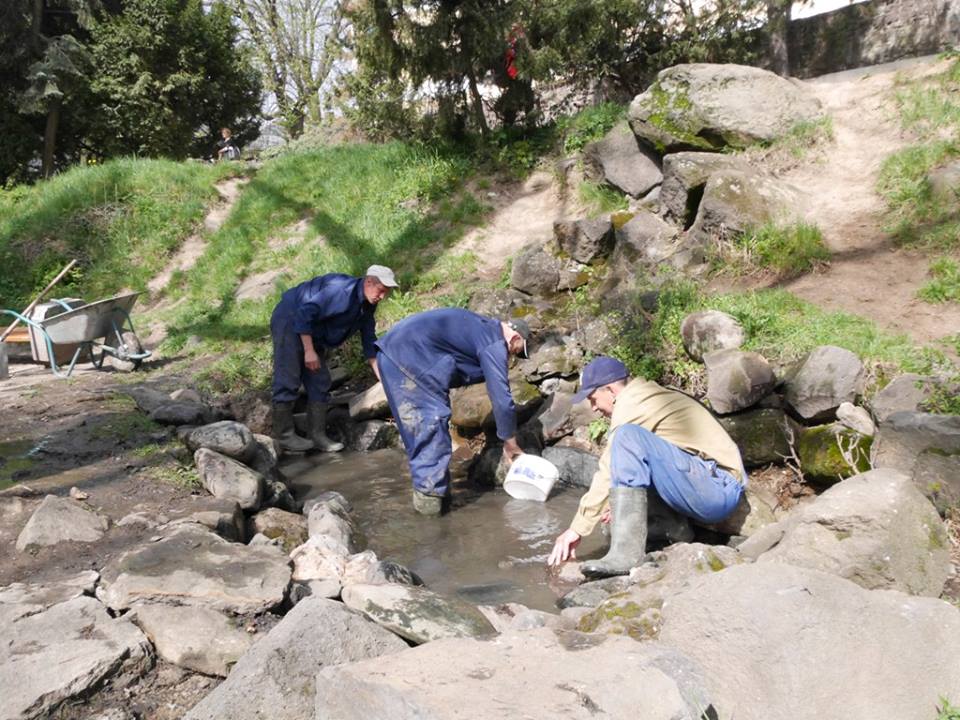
[
  {"x": 628, "y": 534},
  {"x": 284, "y": 432}
]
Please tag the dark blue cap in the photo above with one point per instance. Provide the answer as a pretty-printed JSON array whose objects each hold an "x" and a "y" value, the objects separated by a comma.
[{"x": 599, "y": 372}]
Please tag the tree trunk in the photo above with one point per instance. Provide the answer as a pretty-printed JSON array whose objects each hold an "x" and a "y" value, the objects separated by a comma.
[
  {"x": 477, "y": 103},
  {"x": 36, "y": 26},
  {"x": 778, "y": 23},
  {"x": 50, "y": 138}
]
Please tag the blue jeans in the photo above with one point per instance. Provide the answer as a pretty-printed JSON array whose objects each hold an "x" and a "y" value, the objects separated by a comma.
[
  {"x": 289, "y": 370},
  {"x": 690, "y": 485},
  {"x": 423, "y": 419}
]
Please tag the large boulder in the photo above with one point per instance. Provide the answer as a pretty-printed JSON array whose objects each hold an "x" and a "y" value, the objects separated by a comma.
[
  {"x": 58, "y": 520},
  {"x": 33, "y": 597},
  {"x": 321, "y": 557},
  {"x": 192, "y": 566},
  {"x": 685, "y": 176},
  {"x": 415, "y": 613},
  {"x": 875, "y": 529},
  {"x": 226, "y": 437},
  {"x": 830, "y": 453},
  {"x": 705, "y": 331},
  {"x": 926, "y": 447},
  {"x": 471, "y": 406},
  {"x": 276, "y": 678},
  {"x": 198, "y": 639},
  {"x": 287, "y": 527},
  {"x": 735, "y": 201},
  {"x": 330, "y": 519},
  {"x": 713, "y": 107},
  {"x": 619, "y": 160},
  {"x": 577, "y": 467},
  {"x": 228, "y": 479},
  {"x": 753, "y": 513},
  {"x": 64, "y": 652},
  {"x": 536, "y": 271},
  {"x": 371, "y": 403},
  {"x": 784, "y": 643},
  {"x": 584, "y": 240},
  {"x": 534, "y": 674},
  {"x": 224, "y": 517},
  {"x": 556, "y": 357},
  {"x": 905, "y": 393},
  {"x": 737, "y": 379},
  {"x": 643, "y": 239},
  {"x": 763, "y": 435},
  {"x": 824, "y": 378}
]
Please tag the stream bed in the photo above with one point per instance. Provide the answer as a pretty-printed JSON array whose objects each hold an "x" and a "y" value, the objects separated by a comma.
[{"x": 489, "y": 549}]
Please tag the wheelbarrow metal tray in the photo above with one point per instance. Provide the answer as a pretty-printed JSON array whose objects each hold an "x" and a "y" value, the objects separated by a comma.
[{"x": 89, "y": 322}]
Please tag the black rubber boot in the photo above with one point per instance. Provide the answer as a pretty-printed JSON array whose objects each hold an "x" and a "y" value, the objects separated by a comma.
[
  {"x": 317, "y": 428},
  {"x": 284, "y": 432},
  {"x": 628, "y": 534}
]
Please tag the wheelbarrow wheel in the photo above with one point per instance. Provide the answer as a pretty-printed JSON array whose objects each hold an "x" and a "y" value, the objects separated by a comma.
[{"x": 120, "y": 362}]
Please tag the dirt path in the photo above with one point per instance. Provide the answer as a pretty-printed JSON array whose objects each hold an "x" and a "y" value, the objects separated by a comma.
[{"x": 868, "y": 276}]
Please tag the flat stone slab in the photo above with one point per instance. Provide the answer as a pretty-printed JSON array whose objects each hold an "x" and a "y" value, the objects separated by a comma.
[
  {"x": 415, "y": 613},
  {"x": 192, "y": 566},
  {"x": 275, "y": 679},
  {"x": 50, "y": 593},
  {"x": 534, "y": 674},
  {"x": 195, "y": 638},
  {"x": 60, "y": 653},
  {"x": 59, "y": 520}
]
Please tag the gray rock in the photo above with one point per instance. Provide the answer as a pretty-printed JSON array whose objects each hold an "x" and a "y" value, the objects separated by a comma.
[
  {"x": 535, "y": 271},
  {"x": 471, "y": 406},
  {"x": 321, "y": 557},
  {"x": 556, "y": 418},
  {"x": 553, "y": 359},
  {"x": 584, "y": 240},
  {"x": 194, "y": 638},
  {"x": 761, "y": 624},
  {"x": 753, "y": 512},
  {"x": 147, "y": 399},
  {"x": 588, "y": 678},
  {"x": 329, "y": 518},
  {"x": 192, "y": 566},
  {"x": 761, "y": 435},
  {"x": 336, "y": 501},
  {"x": 276, "y": 524},
  {"x": 59, "y": 520},
  {"x": 497, "y": 302},
  {"x": 904, "y": 393},
  {"x": 856, "y": 418},
  {"x": 572, "y": 275},
  {"x": 416, "y": 614},
  {"x": 266, "y": 458},
  {"x": 228, "y": 479},
  {"x": 224, "y": 517},
  {"x": 276, "y": 678},
  {"x": 591, "y": 594},
  {"x": 926, "y": 447},
  {"x": 277, "y": 494},
  {"x": 944, "y": 183},
  {"x": 186, "y": 395},
  {"x": 226, "y": 437},
  {"x": 175, "y": 412},
  {"x": 829, "y": 453},
  {"x": 705, "y": 331},
  {"x": 734, "y": 201},
  {"x": 826, "y": 377},
  {"x": 643, "y": 239},
  {"x": 685, "y": 176},
  {"x": 64, "y": 652},
  {"x": 620, "y": 161},
  {"x": 366, "y": 569},
  {"x": 875, "y": 529},
  {"x": 371, "y": 403},
  {"x": 514, "y": 617},
  {"x": 577, "y": 467},
  {"x": 712, "y": 107},
  {"x": 372, "y": 435},
  {"x": 299, "y": 591},
  {"x": 737, "y": 379},
  {"x": 44, "y": 595}
]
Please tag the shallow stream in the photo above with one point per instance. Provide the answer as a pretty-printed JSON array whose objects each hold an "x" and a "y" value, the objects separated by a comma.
[{"x": 489, "y": 549}]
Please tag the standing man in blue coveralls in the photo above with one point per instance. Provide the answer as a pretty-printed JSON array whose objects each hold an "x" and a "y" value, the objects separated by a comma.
[
  {"x": 663, "y": 443},
  {"x": 420, "y": 359},
  {"x": 310, "y": 319}
]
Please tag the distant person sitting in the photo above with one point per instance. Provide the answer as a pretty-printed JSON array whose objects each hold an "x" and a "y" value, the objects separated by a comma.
[{"x": 226, "y": 147}]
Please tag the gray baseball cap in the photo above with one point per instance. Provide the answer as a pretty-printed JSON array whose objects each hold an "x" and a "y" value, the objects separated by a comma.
[
  {"x": 520, "y": 326},
  {"x": 383, "y": 274}
]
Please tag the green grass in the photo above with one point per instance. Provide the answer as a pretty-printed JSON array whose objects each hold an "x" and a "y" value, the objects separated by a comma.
[
  {"x": 945, "y": 286},
  {"x": 803, "y": 137},
  {"x": 588, "y": 125},
  {"x": 599, "y": 199},
  {"x": 788, "y": 250},
  {"x": 778, "y": 325},
  {"x": 946, "y": 711},
  {"x": 120, "y": 220}
]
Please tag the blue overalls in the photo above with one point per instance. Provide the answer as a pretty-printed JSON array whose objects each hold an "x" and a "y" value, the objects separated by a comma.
[
  {"x": 330, "y": 308},
  {"x": 692, "y": 486},
  {"x": 420, "y": 359}
]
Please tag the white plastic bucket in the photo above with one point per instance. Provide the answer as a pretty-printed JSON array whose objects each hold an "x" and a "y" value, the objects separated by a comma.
[{"x": 531, "y": 478}]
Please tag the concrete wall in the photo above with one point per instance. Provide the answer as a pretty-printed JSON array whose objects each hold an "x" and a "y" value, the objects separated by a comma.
[{"x": 872, "y": 32}]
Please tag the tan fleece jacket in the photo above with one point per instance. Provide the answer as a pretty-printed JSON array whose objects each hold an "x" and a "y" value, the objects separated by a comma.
[{"x": 673, "y": 416}]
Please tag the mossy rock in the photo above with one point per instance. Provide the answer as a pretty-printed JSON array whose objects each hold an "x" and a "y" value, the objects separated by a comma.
[
  {"x": 621, "y": 615},
  {"x": 821, "y": 458},
  {"x": 761, "y": 435}
]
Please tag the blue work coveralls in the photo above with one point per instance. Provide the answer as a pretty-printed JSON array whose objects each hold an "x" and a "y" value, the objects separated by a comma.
[
  {"x": 330, "y": 308},
  {"x": 421, "y": 358}
]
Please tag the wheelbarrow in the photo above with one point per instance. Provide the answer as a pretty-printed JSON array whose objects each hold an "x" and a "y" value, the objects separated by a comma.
[{"x": 100, "y": 329}]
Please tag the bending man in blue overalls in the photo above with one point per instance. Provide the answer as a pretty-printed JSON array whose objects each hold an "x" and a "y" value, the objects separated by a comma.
[
  {"x": 420, "y": 359},
  {"x": 309, "y": 319}
]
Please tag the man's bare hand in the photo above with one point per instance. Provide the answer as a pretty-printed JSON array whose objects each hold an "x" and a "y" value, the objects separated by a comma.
[
  {"x": 511, "y": 450},
  {"x": 605, "y": 516},
  {"x": 564, "y": 548},
  {"x": 311, "y": 360}
]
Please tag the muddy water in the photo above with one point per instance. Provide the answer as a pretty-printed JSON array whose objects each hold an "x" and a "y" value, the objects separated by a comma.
[{"x": 489, "y": 549}]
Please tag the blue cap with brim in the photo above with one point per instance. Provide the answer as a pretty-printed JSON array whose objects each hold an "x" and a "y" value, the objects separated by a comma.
[{"x": 599, "y": 372}]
